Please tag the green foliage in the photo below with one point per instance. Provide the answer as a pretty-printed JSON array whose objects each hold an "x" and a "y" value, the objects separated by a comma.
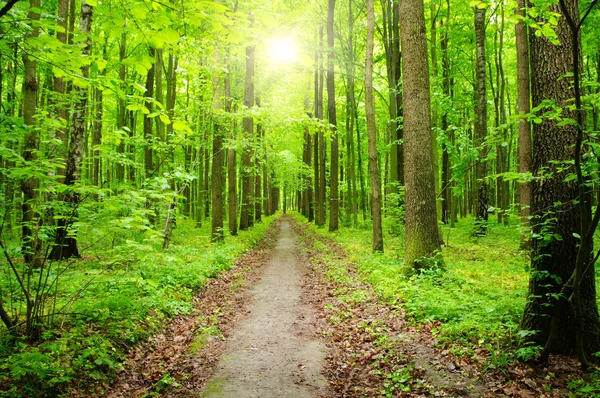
[
  {"x": 477, "y": 299},
  {"x": 105, "y": 306}
]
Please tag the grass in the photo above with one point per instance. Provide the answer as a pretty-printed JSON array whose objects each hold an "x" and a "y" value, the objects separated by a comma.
[
  {"x": 480, "y": 297},
  {"x": 119, "y": 294}
]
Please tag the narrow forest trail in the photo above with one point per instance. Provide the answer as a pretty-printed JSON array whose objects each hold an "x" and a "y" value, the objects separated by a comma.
[
  {"x": 273, "y": 351},
  {"x": 293, "y": 318}
]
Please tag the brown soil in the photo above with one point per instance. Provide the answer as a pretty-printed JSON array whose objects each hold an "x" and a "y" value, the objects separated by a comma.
[{"x": 273, "y": 351}]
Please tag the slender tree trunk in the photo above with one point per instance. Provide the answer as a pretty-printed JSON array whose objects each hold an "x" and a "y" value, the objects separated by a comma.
[
  {"x": 372, "y": 132},
  {"x": 231, "y": 162},
  {"x": 201, "y": 192},
  {"x": 247, "y": 154},
  {"x": 334, "y": 197},
  {"x": 481, "y": 124},
  {"x": 148, "y": 137},
  {"x": 446, "y": 177},
  {"x": 66, "y": 244},
  {"x": 422, "y": 236},
  {"x": 361, "y": 179},
  {"x": 217, "y": 165},
  {"x": 317, "y": 145},
  {"x": 121, "y": 110},
  {"x": 322, "y": 146},
  {"x": 257, "y": 204},
  {"x": 31, "y": 244},
  {"x": 523, "y": 108},
  {"x": 60, "y": 89}
]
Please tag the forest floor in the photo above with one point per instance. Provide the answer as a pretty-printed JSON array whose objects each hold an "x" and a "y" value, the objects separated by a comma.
[{"x": 294, "y": 319}]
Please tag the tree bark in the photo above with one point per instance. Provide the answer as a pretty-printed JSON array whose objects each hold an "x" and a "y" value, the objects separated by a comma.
[
  {"x": 31, "y": 244},
  {"x": 446, "y": 177},
  {"x": 422, "y": 237},
  {"x": 480, "y": 131},
  {"x": 217, "y": 165},
  {"x": 523, "y": 107},
  {"x": 556, "y": 206},
  {"x": 231, "y": 162},
  {"x": 246, "y": 219},
  {"x": 322, "y": 146},
  {"x": 334, "y": 197},
  {"x": 372, "y": 132},
  {"x": 66, "y": 243}
]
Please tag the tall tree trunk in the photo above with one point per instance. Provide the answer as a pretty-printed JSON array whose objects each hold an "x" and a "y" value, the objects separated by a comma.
[
  {"x": 217, "y": 164},
  {"x": 481, "y": 124},
  {"x": 434, "y": 9},
  {"x": 148, "y": 137},
  {"x": 446, "y": 177},
  {"x": 121, "y": 110},
  {"x": 351, "y": 209},
  {"x": 422, "y": 236},
  {"x": 246, "y": 219},
  {"x": 322, "y": 146},
  {"x": 31, "y": 244},
  {"x": 361, "y": 179},
  {"x": 391, "y": 41},
  {"x": 523, "y": 108},
  {"x": 317, "y": 145},
  {"x": 60, "y": 89},
  {"x": 66, "y": 243},
  {"x": 97, "y": 130},
  {"x": 372, "y": 132},
  {"x": 231, "y": 161},
  {"x": 334, "y": 197},
  {"x": 257, "y": 203},
  {"x": 556, "y": 208}
]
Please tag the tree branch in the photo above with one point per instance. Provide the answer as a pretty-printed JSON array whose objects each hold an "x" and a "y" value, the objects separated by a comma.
[{"x": 9, "y": 4}]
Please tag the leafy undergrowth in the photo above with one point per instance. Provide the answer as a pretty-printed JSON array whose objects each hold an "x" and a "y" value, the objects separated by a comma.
[
  {"x": 112, "y": 299},
  {"x": 462, "y": 321}
]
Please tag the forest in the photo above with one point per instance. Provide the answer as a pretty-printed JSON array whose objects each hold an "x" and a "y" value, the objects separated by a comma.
[{"x": 393, "y": 198}]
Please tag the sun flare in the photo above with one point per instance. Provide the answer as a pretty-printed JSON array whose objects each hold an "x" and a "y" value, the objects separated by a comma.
[{"x": 283, "y": 49}]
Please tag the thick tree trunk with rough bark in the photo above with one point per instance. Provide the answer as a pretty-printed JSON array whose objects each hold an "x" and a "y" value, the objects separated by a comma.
[
  {"x": 555, "y": 205},
  {"x": 372, "y": 132},
  {"x": 422, "y": 236}
]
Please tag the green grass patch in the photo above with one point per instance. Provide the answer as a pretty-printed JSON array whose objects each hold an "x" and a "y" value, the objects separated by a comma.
[
  {"x": 478, "y": 299},
  {"x": 122, "y": 291}
]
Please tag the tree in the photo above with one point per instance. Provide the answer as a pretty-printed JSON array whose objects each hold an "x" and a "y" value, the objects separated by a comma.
[
  {"x": 481, "y": 122},
  {"x": 334, "y": 197},
  {"x": 523, "y": 107},
  {"x": 422, "y": 237},
  {"x": 372, "y": 132},
  {"x": 561, "y": 309},
  {"x": 217, "y": 164},
  {"x": 247, "y": 215},
  {"x": 66, "y": 243},
  {"x": 31, "y": 244}
]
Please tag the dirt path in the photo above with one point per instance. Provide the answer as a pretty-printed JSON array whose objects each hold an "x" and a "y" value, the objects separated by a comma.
[{"x": 273, "y": 352}]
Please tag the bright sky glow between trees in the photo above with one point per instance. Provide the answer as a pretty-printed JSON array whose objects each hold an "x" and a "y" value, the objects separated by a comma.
[{"x": 283, "y": 49}]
